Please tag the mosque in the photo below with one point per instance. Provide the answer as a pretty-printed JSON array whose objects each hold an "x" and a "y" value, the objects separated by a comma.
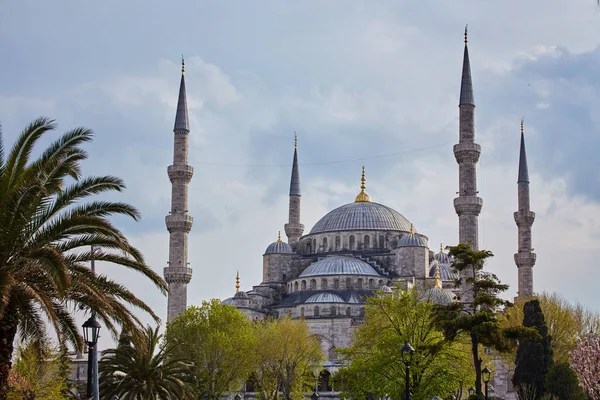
[{"x": 361, "y": 247}]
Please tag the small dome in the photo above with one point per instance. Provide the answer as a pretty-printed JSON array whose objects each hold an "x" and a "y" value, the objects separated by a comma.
[
  {"x": 439, "y": 296},
  {"x": 386, "y": 289},
  {"x": 339, "y": 265},
  {"x": 442, "y": 257},
  {"x": 240, "y": 295},
  {"x": 279, "y": 247},
  {"x": 411, "y": 239},
  {"x": 228, "y": 301},
  {"x": 446, "y": 271},
  {"x": 324, "y": 297}
]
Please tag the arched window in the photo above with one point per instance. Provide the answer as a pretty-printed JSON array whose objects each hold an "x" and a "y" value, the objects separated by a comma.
[
  {"x": 324, "y": 380},
  {"x": 284, "y": 277},
  {"x": 323, "y": 283},
  {"x": 295, "y": 286},
  {"x": 314, "y": 245},
  {"x": 313, "y": 284},
  {"x": 333, "y": 310},
  {"x": 380, "y": 283},
  {"x": 325, "y": 247},
  {"x": 337, "y": 243},
  {"x": 352, "y": 242},
  {"x": 348, "y": 283},
  {"x": 348, "y": 311},
  {"x": 308, "y": 249},
  {"x": 303, "y": 285},
  {"x": 336, "y": 283},
  {"x": 302, "y": 311},
  {"x": 367, "y": 242},
  {"x": 316, "y": 312},
  {"x": 362, "y": 312},
  {"x": 360, "y": 283},
  {"x": 381, "y": 241},
  {"x": 371, "y": 283}
]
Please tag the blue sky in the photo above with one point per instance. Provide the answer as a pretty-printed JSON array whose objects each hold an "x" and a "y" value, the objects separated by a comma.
[{"x": 354, "y": 79}]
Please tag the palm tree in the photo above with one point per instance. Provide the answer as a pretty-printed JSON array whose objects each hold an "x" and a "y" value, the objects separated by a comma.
[
  {"x": 47, "y": 225},
  {"x": 140, "y": 372}
]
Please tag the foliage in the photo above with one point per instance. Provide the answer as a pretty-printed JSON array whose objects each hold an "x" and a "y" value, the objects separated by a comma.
[
  {"x": 439, "y": 366},
  {"x": 476, "y": 315},
  {"x": 287, "y": 355},
  {"x": 219, "y": 340},
  {"x": 586, "y": 364},
  {"x": 47, "y": 225},
  {"x": 566, "y": 323},
  {"x": 38, "y": 373},
  {"x": 144, "y": 370},
  {"x": 534, "y": 357},
  {"x": 562, "y": 383}
]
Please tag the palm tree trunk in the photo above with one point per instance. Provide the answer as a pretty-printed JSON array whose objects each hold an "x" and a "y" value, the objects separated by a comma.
[{"x": 8, "y": 330}]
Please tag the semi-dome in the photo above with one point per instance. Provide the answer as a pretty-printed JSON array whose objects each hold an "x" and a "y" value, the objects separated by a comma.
[
  {"x": 362, "y": 216},
  {"x": 412, "y": 239},
  {"x": 339, "y": 265},
  {"x": 279, "y": 247},
  {"x": 325, "y": 297}
]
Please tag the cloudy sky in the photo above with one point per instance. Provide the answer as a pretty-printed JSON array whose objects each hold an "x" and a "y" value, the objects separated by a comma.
[{"x": 361, "y": 82}]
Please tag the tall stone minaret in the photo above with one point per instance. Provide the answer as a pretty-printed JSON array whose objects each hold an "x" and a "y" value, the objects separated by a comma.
[
  {"x": 525, "y": 258},
  {"x": 467, "y": 204},
  {"x": 294, "y": 229},
  {"x": 179, "y": 223}
]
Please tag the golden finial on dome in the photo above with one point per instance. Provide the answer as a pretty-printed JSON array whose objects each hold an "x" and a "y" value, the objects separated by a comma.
[
  {"x": 182, "y": 65},
  {"x": 441, "y": 249},
  {"x": 362, "y": 196},
  {"x": 237, "y": 282},
  {"x": 279, "y": 236},
  {"x": 412, "y": 229},
  {"x": 466, "y": 33},
  {"x": 438, "y": 280}
]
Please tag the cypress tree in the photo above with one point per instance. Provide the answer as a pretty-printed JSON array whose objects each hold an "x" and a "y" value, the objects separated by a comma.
[{"x": 534, "y": 356}]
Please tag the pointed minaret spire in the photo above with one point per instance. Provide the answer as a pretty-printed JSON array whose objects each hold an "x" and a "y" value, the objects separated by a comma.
[
  {"x": 525, "y": 258},
  {"x": 466, "y": 84},
  {"x": 294, "y": 229},
  {"x": 179, "y": 223},
  {"x": 237, "y": 282}
]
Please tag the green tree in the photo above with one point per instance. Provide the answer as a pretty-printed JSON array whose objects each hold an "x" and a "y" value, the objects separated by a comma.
[
  {"x": 47, "y": 225},
  {"x": 144, "y": 370},
  {"x": 534, "y": 356},
  {"x": 477, "y": 314},
  {"x": 287, "y": 356},
  {"x": 219, "y": 340},
  {"x": 439, "y": 366},
  {"x": 562, "y": 383}
]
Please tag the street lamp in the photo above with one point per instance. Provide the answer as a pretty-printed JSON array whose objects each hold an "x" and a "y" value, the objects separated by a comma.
[
  {"x": 486, "y": 374},
  {"x": 91, "y": 330},
  {"x": 471, "y": 391},
  {"x": 407, "y": 353}
]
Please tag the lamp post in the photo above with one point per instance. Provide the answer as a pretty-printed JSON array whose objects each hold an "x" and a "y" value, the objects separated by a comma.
[
  {"x": 91, "y": 330},
  {"x": 486, "y": 374},
  {"x": 471, "y": 391},
  {"x": 407, "y": 353}
]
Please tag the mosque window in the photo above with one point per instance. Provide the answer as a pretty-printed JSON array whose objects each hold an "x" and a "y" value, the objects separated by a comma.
[
  {"x": 348, "y": 283},
  {"x": 313, "y": 284},
  {"x": 314, "y": 245},
  {"x": 324, "y": 384},
  {"x": 348, "y": 311},
  {"x": 337, "y": 243},
  {"x": 380, "y": 283},
  {"x": 352, "y": 242},
  {"x": 381, "y": 241},
  {"x": 362, "y": 312},
  {"x": 336, "y": 283},
  {"x": 295, "y": 286},
  {"x": 333, "y": 310},
  {"x": 303, "y": 285},
  {"x": 302, "y": 311},
  {"x": 359, "y": 285},
  {"x": 323, "y": 283},
  {"x": 325, "y": 247},
  {"x": 367, "y": 241},
  {"x": 316, "y": 312},
  {"x": 371, "y": 284},
  {"x": 284, "y": 277},
  {"x": 308, "y": 249}
]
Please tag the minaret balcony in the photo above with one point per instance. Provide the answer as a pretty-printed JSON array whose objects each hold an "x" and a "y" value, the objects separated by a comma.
[
  {"x": 467, "y": 152},
  {"x": 180, "y": 173},
  {"x": 173, "y": 274},
  {"x": 468, "y": 205},
  {"x": 525, "y": 259},
  {"x": 524, "y": 218},
  {"x": 179, "y": 222}
]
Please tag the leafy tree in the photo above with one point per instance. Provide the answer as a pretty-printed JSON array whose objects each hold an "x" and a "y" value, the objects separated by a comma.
[
  {"x": 534, "y": 356},
  {"x": 287, "y": 355},
  {"x": 439, "y": 366},
  {"x": 47, "y": 225},
  {"x": 562, "y": 383},
  {"x": 144, "y": 370},
  {"x": 586, "y": 364},
  {"x": 566, "y": 323},
  {"x": 219, "y": 340},
  {"x": 478, "y": 317}
]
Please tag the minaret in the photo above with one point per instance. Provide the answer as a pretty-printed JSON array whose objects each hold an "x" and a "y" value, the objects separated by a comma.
[
  {"x": 294, "y": 229},
  {"x": 467, "y": 204},
  {"x": 525, "y": 258},
  {"x": 179, "y": 223}
]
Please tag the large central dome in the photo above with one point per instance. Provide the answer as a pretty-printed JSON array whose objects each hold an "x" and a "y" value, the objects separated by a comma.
[{"x": 362, "y": 216}]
